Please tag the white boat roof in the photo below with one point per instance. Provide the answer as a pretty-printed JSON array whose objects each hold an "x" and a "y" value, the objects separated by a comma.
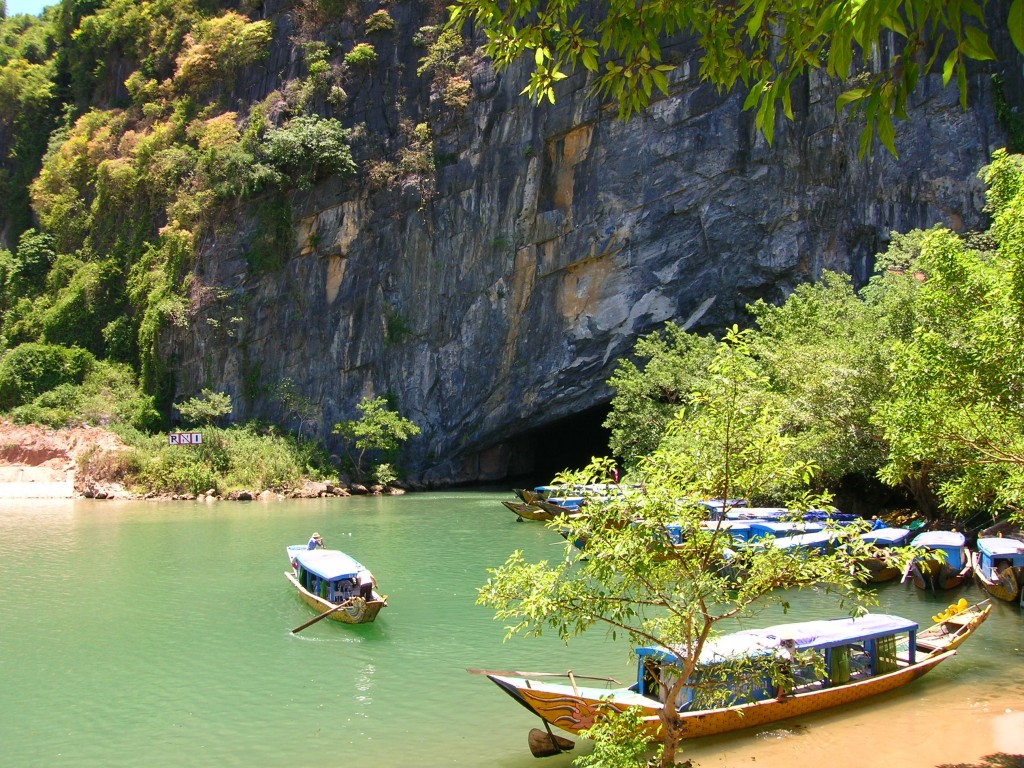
[
  {"x": 997, "y": 545},
  {"x": 939, "y": 539},
  {"x": 330, "y": 564},
  {"x": 885, "y": 535}
]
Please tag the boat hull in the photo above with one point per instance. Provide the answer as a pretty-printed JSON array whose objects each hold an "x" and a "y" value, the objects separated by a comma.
[
  {"x": 357, "y": 610},
  {"x": 559, "y": 706},
  {"x": 935, "y": 575},
  {"x": 1007, "y": 587},
  {"x": 528, "y": 511}
]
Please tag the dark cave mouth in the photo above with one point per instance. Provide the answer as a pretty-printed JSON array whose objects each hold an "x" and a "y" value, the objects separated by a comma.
[{"x": 568, "y": 443}]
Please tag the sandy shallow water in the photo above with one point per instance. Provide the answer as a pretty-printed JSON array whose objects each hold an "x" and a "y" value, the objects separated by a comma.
[{"x": 910, "y": 732}]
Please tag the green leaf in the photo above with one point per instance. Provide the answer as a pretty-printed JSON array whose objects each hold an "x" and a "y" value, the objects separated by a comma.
[
  {"x": 976, "y": 45},
  {"x": 754, "y": 95},
  {"x": 854, "y": 94},
  {"x": 887, "y": 133},
  {"x": 947, "y": 67},
  {"x": 1015, "y": 23}
]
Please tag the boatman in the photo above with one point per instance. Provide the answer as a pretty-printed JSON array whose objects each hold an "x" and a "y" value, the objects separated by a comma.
[{"x": 315, "y": 541}]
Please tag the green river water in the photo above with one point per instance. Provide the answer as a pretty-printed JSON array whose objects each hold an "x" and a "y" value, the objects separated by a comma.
[{"x": 158, "y": 634}]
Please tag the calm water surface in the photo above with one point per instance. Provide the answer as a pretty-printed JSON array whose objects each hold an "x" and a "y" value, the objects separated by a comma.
[{"x": 144, "y": 634}]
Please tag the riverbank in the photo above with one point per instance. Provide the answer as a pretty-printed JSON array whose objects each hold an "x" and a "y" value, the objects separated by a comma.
[{"x": 42, "y": 463}]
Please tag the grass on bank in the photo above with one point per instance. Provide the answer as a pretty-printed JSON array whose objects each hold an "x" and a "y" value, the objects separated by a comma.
[{"x": 250, "y": 456}]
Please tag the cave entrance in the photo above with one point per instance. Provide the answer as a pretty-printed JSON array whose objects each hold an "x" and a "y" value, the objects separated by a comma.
[{"x": 569, "y": 443}]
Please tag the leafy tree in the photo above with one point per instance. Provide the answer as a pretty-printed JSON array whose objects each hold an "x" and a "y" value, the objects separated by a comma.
[
  {"x": 825, "y": 353},
  {"x": 953, "y": 418},
  {"x": 30, "y": 369},
  {"x": 300, "y": 407},
  {"x": 636, "y": 582},
  {"x": 763, "y": 45},
  {"x": 308, "y": 149},
  {"x": 380, "y": 431},
  {"x": 205, "y": 409},
  {"x": 648, "y": 393}
]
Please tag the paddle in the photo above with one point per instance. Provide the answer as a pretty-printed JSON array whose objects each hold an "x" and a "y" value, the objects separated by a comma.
[{"x": 323, "y": 615}]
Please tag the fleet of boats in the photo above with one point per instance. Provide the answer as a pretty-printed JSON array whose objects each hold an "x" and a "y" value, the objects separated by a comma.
[{"x": 826, "y": 662}]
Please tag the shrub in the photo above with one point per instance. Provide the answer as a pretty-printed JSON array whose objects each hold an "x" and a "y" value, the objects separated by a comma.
[
  {"x": 379, "y": 21},
  {"x": 30, "y": 369},
  {"x": 308, "y": 149},
  {"x": 363, "y": 55}
]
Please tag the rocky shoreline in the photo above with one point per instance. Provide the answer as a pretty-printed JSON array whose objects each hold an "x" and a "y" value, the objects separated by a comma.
[{"x": 37, "y": 462}]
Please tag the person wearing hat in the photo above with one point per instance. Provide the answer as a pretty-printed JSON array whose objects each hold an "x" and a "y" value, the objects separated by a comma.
[{"x": 315, "y": 541}]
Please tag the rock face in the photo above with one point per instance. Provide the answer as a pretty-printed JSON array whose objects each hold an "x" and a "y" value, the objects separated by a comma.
[{"x": 497, "y": 298}]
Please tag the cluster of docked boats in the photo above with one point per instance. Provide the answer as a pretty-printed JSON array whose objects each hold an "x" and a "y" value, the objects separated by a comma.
[{"x": 857, "y": 657}]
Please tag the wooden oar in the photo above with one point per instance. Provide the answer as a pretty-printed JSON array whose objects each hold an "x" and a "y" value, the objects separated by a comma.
[
  {"x": 570, "y": 673},
  {"x": 323, "y": 615}
]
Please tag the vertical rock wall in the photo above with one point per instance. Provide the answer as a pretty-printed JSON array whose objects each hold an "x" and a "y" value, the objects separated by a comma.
[{"x": 555, "y": 237}]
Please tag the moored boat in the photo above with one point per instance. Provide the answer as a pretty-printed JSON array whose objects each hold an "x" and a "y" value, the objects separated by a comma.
[
  {"x": 881, "y": 568},
  {"x": 998, "y": 563},
  {"x": 330, "y": 580},
  {"x": 946, "y": 564},
  {"x": 857, "y": 658}
]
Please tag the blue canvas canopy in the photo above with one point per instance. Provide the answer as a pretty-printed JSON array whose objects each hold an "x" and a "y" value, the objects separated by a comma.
[
  {"x": 329, "y": 564},
  {"x": 759, "y": 528},
  {"x": 804, "y": 635},
  {"x": 887, "y": 537},
  {"x": 817, "y": 540},
  {"x": 998, "y": 548}
]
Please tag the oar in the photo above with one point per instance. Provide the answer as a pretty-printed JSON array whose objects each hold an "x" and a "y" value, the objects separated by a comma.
[{"x": 323, "y": 615}]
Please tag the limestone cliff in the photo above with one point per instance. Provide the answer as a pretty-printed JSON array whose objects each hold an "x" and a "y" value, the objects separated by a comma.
[{"x": 495, "y": 296}]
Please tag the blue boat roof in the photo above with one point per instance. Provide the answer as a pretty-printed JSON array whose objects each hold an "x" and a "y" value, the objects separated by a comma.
[
  {"x": 939, "y": 539},
  {"x": 330, "y": 564},
  {"x": 824, "y": 633},
  {"x": 886, "y": 536},
  {"x": 776, "y": 528},
  {"x": 811, "y": 539},
  {"x": 997, "y": 545}
]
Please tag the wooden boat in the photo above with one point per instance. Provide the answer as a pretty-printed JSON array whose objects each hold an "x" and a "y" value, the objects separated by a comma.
[
  {"x": 862, "y": 657},
  {"x": 945, "y": 571},
  {"x": 998, "y": 564},
  {"x": 328, "y": 578},
  {"x": 880, "y": 568},
  {"x": 525, "y": 511}
]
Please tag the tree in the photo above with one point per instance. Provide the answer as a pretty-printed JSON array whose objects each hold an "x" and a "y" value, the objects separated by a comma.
[
  {"x": 635, "y": 581},
  {"x": 765, "y": 45},
  {"x": 953, "y": 416},
  {"x": 295, "y": 404},
  {"x": 206, "y": 408},
  {"x": 670, "y": 365},
  {"x": 379, "y": 431}
]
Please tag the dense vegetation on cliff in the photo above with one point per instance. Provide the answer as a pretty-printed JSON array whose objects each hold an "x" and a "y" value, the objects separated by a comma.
[{"x": 126, "y": 151}]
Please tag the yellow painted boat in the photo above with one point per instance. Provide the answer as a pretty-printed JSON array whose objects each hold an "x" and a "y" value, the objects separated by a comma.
[
  {"x": 999, "y": 566},
  {"x": 329, "y": 578},
  {"x": 862, "y": 657}
]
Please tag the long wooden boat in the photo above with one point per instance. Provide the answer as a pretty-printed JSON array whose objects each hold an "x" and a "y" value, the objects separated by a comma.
[
  {"x": 524, "y": 511},
  {"x": 862, "y": 657},
  {"x": 998, "y": 563},
  {"x": 943, "y": 572},
  {"x": 880, "y": 569},
  {"x": 328, "y": 578}
]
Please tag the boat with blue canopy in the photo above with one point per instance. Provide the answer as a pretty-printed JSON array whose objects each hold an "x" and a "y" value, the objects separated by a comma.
[
  {"x": 755, "y": 676},
  {"x": 998, "y": 563},
  {"x": 945, "y": 563},
  {"x": 881, "y": 567},
  {"x": 330, "y": 580}
]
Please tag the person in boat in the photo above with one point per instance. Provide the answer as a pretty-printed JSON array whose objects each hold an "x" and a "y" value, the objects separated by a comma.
[{"x": 316, "y": 540}]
